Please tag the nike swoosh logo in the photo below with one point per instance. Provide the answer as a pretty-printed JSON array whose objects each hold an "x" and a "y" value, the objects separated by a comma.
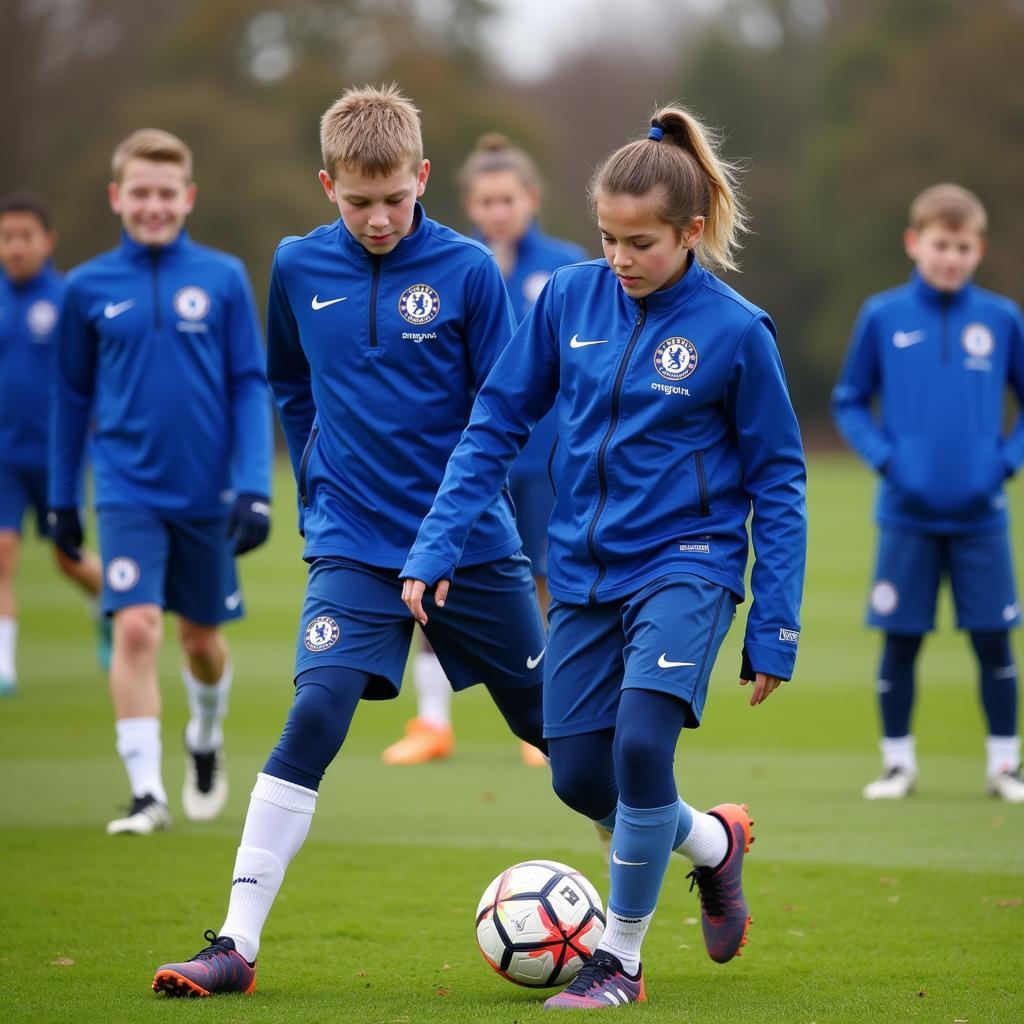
[
  {"x": 663, "y": 662},
  {"x": 534, "y": 662},
  {"x": 616, "y": 859},
  {"x": 112, "y": 309},
  {"x": 904, "y": 339},
  {"x": 317, "y": 304},
  {"x": 574, "y": 342},
  {"x": 233, "y": 600}
]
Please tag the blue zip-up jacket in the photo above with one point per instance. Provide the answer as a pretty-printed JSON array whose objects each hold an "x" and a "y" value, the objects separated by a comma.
[
  {"x": 673, "y": 418},
  {"x": 537, "y": 257},
  {"x": 940, "y": 363},
  {"x": 28, "y": 317},
  {"x": 373, "y": 360},
  {"x": 166, "y": 342}
]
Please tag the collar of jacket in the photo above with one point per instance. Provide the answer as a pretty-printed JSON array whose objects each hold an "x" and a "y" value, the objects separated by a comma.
[
  {"x": 680, "y": 293},
  {"x": 46, "y": 274},
  {"x": 354, "y": 249},
  {"x": 137, "y": 252},
  {"x": 935, "y": 297}
]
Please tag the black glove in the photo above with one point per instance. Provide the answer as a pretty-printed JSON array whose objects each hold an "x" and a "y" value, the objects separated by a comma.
[
  {"x": 249, "y": 522},
  {"x": 746, "y": 669},
  {"x": 65, "y": 527}
]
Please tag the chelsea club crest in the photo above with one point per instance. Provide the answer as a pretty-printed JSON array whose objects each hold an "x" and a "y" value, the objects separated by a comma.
[
  {"x": 675, "y": 358},
  {"x": 419, "y": 304},
  {"x": 191, "y": 303},
  {"x": 321, "y": 633}
]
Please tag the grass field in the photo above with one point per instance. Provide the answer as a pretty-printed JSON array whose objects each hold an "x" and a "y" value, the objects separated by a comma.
[{"x": 862, "y": 912}]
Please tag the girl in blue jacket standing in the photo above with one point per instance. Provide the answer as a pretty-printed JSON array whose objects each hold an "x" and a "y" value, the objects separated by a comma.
[{"x": 674, "y": 421}]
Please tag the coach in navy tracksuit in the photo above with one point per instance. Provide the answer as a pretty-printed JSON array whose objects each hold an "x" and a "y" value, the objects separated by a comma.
[
  {"x": 673, "y": 422},
  {"x": 939, "y": 353},
  {"x": 159, "y": 345}
]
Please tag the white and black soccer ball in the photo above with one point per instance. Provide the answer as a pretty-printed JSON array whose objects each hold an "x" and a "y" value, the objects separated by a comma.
[{"x": 538, "y": 922}]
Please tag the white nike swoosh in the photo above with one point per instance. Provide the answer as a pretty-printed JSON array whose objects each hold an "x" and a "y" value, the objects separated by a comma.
[
  {"x": 233, "y": 600},
  {"x": 112, "y": 309},
  {"x": 663, "y": 662},
  {"x": 534, "y": 662},
  {"x": 574, "y": 342},
  {"x": 904, "y": 339},
  {"x": 616, "y": 859},
  {"x": 317, "y": 304}
]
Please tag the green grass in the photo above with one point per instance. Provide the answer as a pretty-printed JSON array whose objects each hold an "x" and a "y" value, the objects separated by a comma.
[{"x": 862, "y": 912}]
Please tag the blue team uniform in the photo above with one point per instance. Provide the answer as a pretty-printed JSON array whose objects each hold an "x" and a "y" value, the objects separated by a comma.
[
  {"x": 673, "y": 416},
  {"x": 373, "y": 360},
  {"x": 940, "y": 364},
  {"x": 28, "y": 319},
  {"x": 537, "y": 256},
  {"x": 160, "y": 347}
]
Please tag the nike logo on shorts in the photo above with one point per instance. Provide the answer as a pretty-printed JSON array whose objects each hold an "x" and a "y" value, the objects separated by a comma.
[
  {"x": 112, "y": 309},
  {"x": 616, "y": 859},
  {"x": 574, "y": 342},
  {"x": 663, "y": 662},
  {"x": 532, "y": 663},
  {"x": 317, "y": 304}
]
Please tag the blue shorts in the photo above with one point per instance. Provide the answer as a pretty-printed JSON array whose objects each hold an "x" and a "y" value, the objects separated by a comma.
[
  {"x": 489, "y": 631},
  {"x": 665, "y": 637},
  {"x": 20, "y": 488},
  {"x": 534, "y": 499},
  {"x": 910, "y": 567},
  {"x": 184, "y": 565}
]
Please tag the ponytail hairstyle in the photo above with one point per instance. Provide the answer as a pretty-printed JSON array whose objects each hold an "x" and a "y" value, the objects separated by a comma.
[
  {"x": 494, "y": 153},
  {"x": 679, "y": 160}
]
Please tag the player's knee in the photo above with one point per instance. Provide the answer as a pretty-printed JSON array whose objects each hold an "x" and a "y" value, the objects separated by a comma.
[
  {"x": 137, "y": 630},
  {"x": 579, "y": 786},
  {"x": 637, "y": 754},
  {"x": 200, "y": 642},
  {"x": 992, "y": 648}
]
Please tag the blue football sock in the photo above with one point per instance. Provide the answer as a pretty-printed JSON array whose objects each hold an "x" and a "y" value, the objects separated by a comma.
[
  {"x": 896, "y": 683},
  {"x": 998, "y": 681},
  {"x": 641, "y": 846}
]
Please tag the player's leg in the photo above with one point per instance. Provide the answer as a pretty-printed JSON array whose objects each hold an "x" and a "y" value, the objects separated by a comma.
[
  {"x": 87, "y": 573},
  {"x": 908, "y": 571},
  {"x": 428, "y": 736},
  {"x": 981, "y": 571},
  {"x": 10, "y": 546}
]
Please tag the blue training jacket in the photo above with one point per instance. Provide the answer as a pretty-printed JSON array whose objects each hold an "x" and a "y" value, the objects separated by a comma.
[
  {"x": 673, "y": 418},
  {"x": 161, "y": 345},
  {"x": 940, "y": 363},
  {"x": 374, "y": 360},
  {"x": 537, "y": 257},
  {"x": 28, "y": 317}
]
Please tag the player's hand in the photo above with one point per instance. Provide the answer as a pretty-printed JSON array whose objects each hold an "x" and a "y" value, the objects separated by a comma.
[
  {"x": 412, "y": 595},
  {"x": 248, "y": 522},
  {"x": 764, "y": 686},
  {"x": 65, "y": 527}
]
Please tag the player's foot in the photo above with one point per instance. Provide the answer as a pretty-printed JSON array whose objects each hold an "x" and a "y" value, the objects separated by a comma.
[
  {"x": 724, "y": 916},
  {"x": 104, "y": 640},
  {"x": 422, "y": 742},
  {"x": 205, "y": 790},
  {"x": 601, "y": 983},
  {"x": 1008, "y": 786},
  {"x": 894, "y": 783},
  {"x": 8, "y": 686},
  {"x": 532, "y": 756},
  {"x": 218, "y": 968},
  {"x": 145, "y": 816}
]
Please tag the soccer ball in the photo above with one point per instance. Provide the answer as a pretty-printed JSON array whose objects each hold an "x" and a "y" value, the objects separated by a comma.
[{"x": 537, "y": 922}]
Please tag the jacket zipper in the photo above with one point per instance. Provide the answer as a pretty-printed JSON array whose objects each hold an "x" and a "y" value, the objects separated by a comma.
[
  {"x": 602, "y": 451},
  {"x": 154, "y": 257},
  {"x": 374, "y": 281},
  {"x": 702, "y": 483},
  {"x": 303, "y": 464}
]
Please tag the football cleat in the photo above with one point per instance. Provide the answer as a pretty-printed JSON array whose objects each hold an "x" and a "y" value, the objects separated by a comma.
[
  {"x": 532, "y": 756},
  {"x": 205, "y": 790},
  {"x": 216, "y": 969},
  {"x": 601, "y": 983},
  {"x": 895, "y": 783},
  {"x": 145, "y": 816},
  {"x": 725, "y": 919},
  {"x": 421, "y": 743},
  {"x": 1008, "y": 786}
]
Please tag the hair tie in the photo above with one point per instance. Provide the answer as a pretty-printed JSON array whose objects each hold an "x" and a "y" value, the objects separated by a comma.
[{"x": 657, "y": 133}]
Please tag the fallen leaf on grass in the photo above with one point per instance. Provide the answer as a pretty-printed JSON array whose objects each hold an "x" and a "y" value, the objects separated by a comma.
[
  {"x": 362, "y": 974},
  {"x": 796, "y": 933},
  {"x": 884, "y": 880},
  {"x": 1009, "y": 903},
  {"x": 63, "y": 961},
  {"x": 690, "y": 920},
  {"x": 892, "y": 899},
  {"x": 443, "y": 991}
]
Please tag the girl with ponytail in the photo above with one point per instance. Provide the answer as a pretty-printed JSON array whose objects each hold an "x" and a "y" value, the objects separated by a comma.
[{"x": 674, "y": 427}]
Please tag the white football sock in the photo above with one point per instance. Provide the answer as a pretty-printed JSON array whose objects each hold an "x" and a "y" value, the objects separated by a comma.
[
  {"x": 624, "y": 936},
  {"x": 208, "y": 705},
  {"x": 138, "y": 743},
  {"x": 276, "y": 826},
  {"x": 8, "y": 641},
  {"x": 899, "y": 752},
  {"x": 433, "y": 691},
  {"x": 1002, "y": 754},
  {"x": 707, "y": 843}
]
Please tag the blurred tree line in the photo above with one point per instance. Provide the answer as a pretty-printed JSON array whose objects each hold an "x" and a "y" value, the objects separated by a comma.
[{"x": 839, "y": 110}]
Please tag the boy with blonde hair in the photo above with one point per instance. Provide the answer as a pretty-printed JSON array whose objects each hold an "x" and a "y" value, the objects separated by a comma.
[
  {"x": 159, "y": 345},
  {"x": 381, "y": 326},
  {"x": 939, "y": 352}
]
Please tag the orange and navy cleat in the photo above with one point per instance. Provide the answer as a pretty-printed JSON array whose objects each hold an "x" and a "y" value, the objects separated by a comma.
[
  {"x": 423, "y": 741},
  {"x": 216, "y": 969},
  {"x": 601, "y": 983},
  {"x": 724, "y": 916}
]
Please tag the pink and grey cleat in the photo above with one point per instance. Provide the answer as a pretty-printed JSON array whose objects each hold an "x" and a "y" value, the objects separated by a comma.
[
  {"x": 724, "y": 915},
  {"x": 601, "y": 983},
  {"x": 216, "y": 969}
]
